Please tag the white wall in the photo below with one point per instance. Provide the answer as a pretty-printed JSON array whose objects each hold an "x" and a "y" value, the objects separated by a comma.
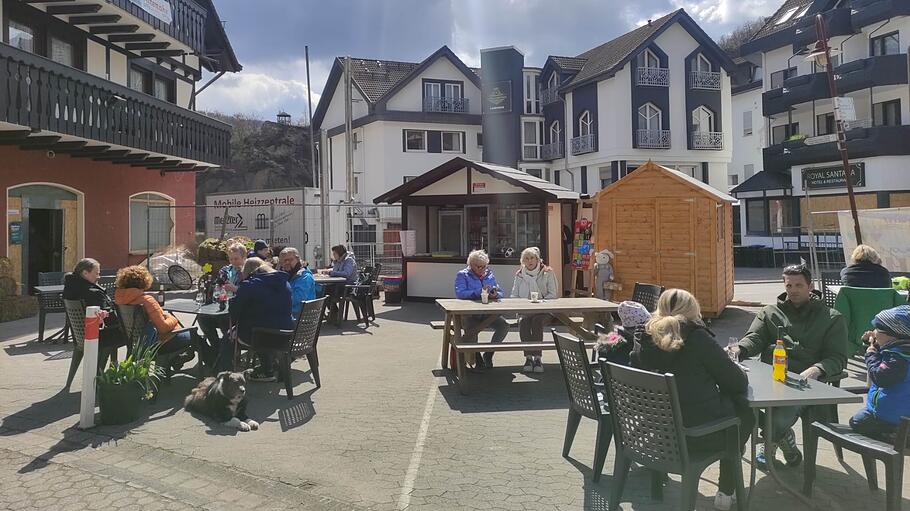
[
  {"x": 95, "y": 61},
  {"x": 747, "y": 149},
  {"x": 614, "y": 123},
  {"x": 119, "y": 68},
  {"x": 381, "y": 164},
  {"x": 334, "y": 115},
  {"x": 410, "y": 97}
]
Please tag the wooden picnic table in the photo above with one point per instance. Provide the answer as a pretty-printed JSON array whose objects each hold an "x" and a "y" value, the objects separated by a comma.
[
  {"x": 768, "y": 394},
  {"x": 591, "y": 309}
]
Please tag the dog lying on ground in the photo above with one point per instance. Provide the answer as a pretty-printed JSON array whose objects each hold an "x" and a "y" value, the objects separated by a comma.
[{"x": 222, "y": 398}]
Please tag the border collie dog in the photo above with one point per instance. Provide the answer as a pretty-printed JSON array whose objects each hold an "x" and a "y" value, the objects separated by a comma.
[{"x": 222, "y": 398}]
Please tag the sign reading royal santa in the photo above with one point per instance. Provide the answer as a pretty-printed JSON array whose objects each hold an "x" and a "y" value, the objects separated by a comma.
[{"x": 275, "y": 216}]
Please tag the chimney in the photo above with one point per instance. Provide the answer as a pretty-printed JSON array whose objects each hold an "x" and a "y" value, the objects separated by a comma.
[{"x": 649, "y": 23}]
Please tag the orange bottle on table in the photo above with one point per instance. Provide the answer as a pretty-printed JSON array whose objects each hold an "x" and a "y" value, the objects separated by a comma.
[{"x": 780, "y": 361}]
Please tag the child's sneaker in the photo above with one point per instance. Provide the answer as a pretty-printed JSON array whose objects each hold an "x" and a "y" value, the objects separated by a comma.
[
  {"x": 529, "y": 364},
  {"x": 724, "y": 502}
]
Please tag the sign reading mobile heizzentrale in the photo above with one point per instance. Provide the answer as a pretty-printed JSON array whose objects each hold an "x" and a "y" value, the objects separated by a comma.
[
  {"x": 160, "y": 9},
  {"x": 275, "y": 216},
  {"x": 497, "y": 97},
  {"x": 833, "y": 177}
]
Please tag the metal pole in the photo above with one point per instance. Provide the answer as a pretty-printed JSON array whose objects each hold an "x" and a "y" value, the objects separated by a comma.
[
  {"x": 323, "y": 201},
  {"x": 309, "y": 101},
  {"x": 822, "y": 32},
  {"x": 813, "y": 249},
  {"x": 348, "y": 132},
  {"x": 148, "y": 237}
]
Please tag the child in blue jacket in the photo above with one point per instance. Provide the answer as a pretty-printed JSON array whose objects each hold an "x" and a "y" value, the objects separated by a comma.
[{"x": 887, "y": 362}]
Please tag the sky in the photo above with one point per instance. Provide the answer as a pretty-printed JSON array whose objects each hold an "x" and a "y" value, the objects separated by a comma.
[{"x": 269, "y": 36}]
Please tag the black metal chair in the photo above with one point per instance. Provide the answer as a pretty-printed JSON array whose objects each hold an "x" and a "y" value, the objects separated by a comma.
[
  {"x": 75, "y": 315},
  {"x": 291, "y": 344},
  {"x": 109, "y": 284},
  {"x": 647, "y": 295},
  {"x": 583, "y": 400},
  {"x": 649, "y": 430},
  {"x": 179, "y": 277},
  {"x": 135, "y": 323},
  {"x": 50, "y": 303},
  {"x": 360, "y": 295},
  {"x": 840, "y": 435}
]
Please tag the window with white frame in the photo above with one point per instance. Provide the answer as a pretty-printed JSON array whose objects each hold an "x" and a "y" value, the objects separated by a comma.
[
  {"x": 432, "y": 89},
  {"x": 702, "y": 64},
  {"x": 786, "y": 16},
  {"x": 747, "y": 122},
  {"x": 648, "y": 59},
  {"x": 530, "y": 137},
  {"x": 151, "y": 223},
  {"x": 702, "y": 120},
  {"x": 733, "y": 179},
  {"x": 538, "y": 173},
  {"x": 62, "y": 52},
  {"x": 451, "y": 141},
  {"x": 553, "y": 82},
  {"x": 555, "y": 132},
  {"x": 453, "y": 90},
  {"x": 584, "y": 124},
  {"x": 532, "y": 102},
  {"x": 21, "y": 36},
  {"x": 415, "y": 140},
  {"x": 649, "y": 117}
]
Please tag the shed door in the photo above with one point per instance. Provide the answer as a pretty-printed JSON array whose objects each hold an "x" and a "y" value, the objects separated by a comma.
[
  {"x": 676, "y": 243},
  {"x": 635, "y": 235}
]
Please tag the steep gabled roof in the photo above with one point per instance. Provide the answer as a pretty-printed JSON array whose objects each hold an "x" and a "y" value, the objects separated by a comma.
[
  {"x": 612, "y": 55},
  {"x": 689, "y": 181},
  {"x": 378, "y": 79},
  {"x": 534, "y": 185},
  {"x": 218, "y": 47},
  {"x": 568, "y": 63}
]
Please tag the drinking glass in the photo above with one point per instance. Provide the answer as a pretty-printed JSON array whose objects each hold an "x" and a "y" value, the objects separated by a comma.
[
  {"x": 535, "y": 296},
  {"x": 731, "y": 343}
]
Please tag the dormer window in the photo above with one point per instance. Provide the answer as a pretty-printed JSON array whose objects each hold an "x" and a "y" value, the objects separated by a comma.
[{"x": 648, "y": 59}]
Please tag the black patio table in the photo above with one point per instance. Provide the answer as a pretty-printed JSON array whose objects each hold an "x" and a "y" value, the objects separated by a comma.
[
  {"x": 335, "y": 283},
  {"x": 188, "y": 306},
  {"x": 766, "y": 393},
  {"x": 62, "y": 334}
]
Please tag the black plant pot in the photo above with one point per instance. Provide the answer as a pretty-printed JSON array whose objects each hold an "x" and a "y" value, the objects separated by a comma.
[{"x": 119, "y": 404}]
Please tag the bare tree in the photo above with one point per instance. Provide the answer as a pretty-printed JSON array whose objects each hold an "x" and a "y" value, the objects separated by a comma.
[{"x": 740, "y": 35}]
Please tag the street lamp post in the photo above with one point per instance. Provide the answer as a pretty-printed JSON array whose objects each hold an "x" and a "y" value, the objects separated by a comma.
[{"x": 822, "y": 57}]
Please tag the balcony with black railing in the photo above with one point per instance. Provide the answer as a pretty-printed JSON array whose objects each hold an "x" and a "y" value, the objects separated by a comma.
[
  {"x": 40, "y": 94},
  {"x": 850, "y": 77},
  {"x": 863, "y": 141},
  {"x": 445, "y": 104},
  {"x": 552, "y": 151}
]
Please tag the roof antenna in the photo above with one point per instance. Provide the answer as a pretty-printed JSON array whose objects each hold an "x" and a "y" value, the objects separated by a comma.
[{"x": 649, "y": 23}]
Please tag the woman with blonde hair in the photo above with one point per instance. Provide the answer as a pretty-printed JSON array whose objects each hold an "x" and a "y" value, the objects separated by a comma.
[
  {"x": 865, "y": 269},
  {"x": 711, "y": 386},
  {"x": 533, "y": 277}
]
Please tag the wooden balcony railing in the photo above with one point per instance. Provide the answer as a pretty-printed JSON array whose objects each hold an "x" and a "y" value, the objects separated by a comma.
[
  {"x": 42, "y": 94},
  {"x": 188, "y": 25}
]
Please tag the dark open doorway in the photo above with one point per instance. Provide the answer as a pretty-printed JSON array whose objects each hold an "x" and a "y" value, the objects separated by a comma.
[{"x": 45, "y": 242}]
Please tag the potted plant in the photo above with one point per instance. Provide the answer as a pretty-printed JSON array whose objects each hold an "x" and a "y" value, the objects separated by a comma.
[{"x": 123, "y": 386}]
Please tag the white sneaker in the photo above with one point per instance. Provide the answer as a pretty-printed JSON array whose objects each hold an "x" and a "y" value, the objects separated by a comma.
[
  {"x": 538, "y": 367},
  {"x": 529, "y": 365},
  {"x": 724, "y": 502}
]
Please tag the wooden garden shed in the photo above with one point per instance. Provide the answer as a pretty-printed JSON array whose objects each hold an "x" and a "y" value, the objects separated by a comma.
[{"x": 667, "y": 228}]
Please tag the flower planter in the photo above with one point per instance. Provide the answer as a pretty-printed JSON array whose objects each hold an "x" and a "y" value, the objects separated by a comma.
[{"x": 119, "y": 404}]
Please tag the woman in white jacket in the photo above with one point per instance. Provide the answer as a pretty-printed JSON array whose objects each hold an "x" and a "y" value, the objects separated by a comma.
[{"x": 533, "y": 276}]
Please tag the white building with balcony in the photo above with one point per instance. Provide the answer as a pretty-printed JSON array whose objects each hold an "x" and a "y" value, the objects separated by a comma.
[
  {"x": 790, "y": 103},
  {"x": 661, "y": 92}
]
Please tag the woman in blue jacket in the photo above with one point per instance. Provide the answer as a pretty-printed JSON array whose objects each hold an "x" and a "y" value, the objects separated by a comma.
[
  {"x": 469, "y": 283},
  {"x": 263, "y": 299}
]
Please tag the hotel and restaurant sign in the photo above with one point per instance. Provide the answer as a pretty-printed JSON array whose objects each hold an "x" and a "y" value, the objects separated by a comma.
[
  {"x": 497, "y": 97},
  {"x": 833, "y": 177}
]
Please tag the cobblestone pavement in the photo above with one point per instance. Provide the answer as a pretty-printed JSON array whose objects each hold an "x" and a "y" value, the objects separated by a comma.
[{"x": 386, "y": 431}]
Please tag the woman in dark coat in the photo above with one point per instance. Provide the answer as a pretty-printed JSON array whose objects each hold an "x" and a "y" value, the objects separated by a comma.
[
  {"x": 263, "y": 299},
  {"x": 710, "y": 385},
  {"x": 82, "y": 284},
  {"x": 866, "y": 269}
]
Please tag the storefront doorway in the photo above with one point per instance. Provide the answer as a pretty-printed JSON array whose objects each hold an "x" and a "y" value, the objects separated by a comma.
[{"x": 47, "y": 222}]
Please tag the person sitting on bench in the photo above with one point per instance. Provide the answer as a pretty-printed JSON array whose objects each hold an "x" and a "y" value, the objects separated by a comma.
[{"x": 469, "y": 283}]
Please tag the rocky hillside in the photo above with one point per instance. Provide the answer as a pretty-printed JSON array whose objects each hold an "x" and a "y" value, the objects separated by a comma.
[{"x": 264, "y": 154}]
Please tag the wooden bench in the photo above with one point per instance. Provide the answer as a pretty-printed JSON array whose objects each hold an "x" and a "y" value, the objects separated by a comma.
[{"x": 439, "y": 325}]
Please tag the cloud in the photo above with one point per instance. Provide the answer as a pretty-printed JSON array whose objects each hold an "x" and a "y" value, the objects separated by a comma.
[{"x": 263, "y": 90}]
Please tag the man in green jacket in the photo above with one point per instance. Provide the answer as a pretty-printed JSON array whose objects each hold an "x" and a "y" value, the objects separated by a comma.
[{"x": 816, "y": 340}]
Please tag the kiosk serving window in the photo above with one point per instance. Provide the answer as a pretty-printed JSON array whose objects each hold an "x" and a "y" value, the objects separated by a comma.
[{"x": 502, "y": 230}]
